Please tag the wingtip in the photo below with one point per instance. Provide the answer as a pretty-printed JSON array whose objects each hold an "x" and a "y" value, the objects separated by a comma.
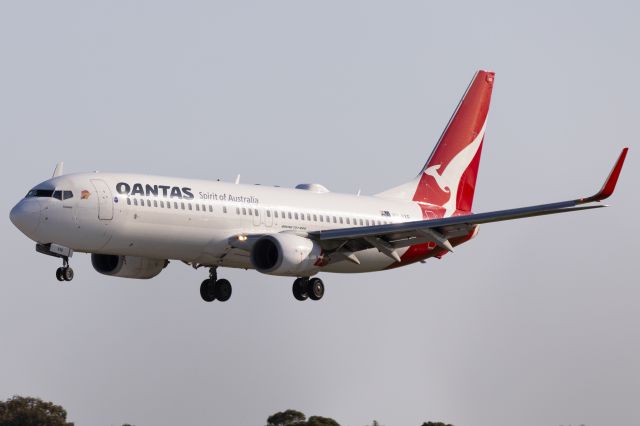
[
  {"x": 610, "y": 183},
  {"x": 59, "y": 170}
]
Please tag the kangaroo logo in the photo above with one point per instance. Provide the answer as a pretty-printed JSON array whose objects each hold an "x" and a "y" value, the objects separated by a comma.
[{"x": 449, "y": 179}]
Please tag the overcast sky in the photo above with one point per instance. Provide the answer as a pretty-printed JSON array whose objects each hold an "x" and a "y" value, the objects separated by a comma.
[{"x": 535, "y": 322}]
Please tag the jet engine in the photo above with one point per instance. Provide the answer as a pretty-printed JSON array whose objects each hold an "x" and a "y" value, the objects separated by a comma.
[
  {"x": 285, "y": 254},
  {"x": 127, "y": 266}
]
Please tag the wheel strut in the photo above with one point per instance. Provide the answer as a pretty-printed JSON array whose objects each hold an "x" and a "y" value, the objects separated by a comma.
[{"x": 213, "y": 273}]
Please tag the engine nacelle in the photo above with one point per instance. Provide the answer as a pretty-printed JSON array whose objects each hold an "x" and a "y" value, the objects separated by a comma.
[
  {"x": 127, "y": 266},
  {"x": 285, "y": 254}
]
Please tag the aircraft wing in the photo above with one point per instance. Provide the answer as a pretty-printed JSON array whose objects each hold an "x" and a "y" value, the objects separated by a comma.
[{"x": 387, "y": 238}]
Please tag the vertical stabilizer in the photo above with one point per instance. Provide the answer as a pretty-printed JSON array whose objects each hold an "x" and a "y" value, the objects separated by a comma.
[{"x": 448, "y": 178}]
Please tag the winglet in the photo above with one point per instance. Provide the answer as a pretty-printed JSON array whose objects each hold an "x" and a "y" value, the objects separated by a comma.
[
  {"x": 610, "y": 184},
  {"x": 58, "y": 171}
]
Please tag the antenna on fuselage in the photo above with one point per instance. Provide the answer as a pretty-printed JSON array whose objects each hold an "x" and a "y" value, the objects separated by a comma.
[
  {"x": 58, "y": 171},
  {"x": 237, "y": 179}
]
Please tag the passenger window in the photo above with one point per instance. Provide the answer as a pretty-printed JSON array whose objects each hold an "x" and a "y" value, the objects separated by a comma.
[
  {"x": 250, "y": 212},
  {"x": 308, "y": 216},
  {"x": 155, "y": 203},
  {"x": 237, "y": 210},
  {"x": 198, "y": 207},
  {"x": 244, "y": 211},
  {"x": 67, "y": 195},
  {"x": 315, "y": 218},
  {"x": 327, "y": 218},
  {"x": 148, "y": 203},
  {"x": 335, "y": 220},
  {"x": 162, "y": 204},
  {"x": 189, "y": 205},
  {"x": 175, "y": 205},
  {"x": 135, "y": 201},
  {"x": 211, "y": 209},
  {"x": 296, "y": 215},
  {"x": 268, "y": 213},
  {"x": 224, "y": 209},
  {"x": 129, "y": 201},
  {"x": 321, "y": 219},
  {"x": 367, "y": 222},
  {"x": 275, "y": 214},
  {"x": 361, "y": 222},
  {"x": 255, "y": 211},
  {"x": 341, "y": 220},
  {"x": 348, "y": 221},
  {"x": 182, "y": 205},
  {"x": 58, "y": 195}
]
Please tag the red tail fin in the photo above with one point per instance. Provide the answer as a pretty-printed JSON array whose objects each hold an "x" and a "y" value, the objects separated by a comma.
[{"x": 448, "y": 179}]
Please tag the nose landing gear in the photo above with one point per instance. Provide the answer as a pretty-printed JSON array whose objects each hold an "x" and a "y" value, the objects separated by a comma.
[
  {"x": 64, "y": 273},
  {"x": 213, "y": 288}
]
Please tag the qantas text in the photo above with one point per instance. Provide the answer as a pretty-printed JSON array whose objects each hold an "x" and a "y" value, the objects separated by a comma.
[{"x": 124, "y": 188}]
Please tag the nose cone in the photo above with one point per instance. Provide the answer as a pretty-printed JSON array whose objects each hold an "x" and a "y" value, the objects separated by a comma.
[{"x": 26, "y": 216}]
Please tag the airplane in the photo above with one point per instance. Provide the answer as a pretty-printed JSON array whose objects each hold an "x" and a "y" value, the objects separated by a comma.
[{"x": 133, "y": 225}]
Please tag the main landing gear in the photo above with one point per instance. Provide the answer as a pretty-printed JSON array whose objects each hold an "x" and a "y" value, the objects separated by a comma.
[
  {"x": 312, "y": 288},
  {"x": 64, "y": 273},
  {"x": 213, "y": 288}
]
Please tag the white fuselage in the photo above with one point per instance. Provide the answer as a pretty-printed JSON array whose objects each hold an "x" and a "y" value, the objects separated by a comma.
[{"x": 193, "y": 220}]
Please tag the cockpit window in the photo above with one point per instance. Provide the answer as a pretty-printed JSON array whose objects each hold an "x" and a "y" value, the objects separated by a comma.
[
  {"x": 40, "y": 193},
  {"x": 49, "y": 193}
]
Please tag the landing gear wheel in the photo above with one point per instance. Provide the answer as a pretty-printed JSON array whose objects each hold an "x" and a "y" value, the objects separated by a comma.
[
  {"x": 316, "y": 289},
  {"x": 223, "y": 290},
  {"x": 67, "y": 273},
  {"x": 299, "y": 289},
  {"x": 207, "y": 290},
  {"x": 59, "y": 274}
]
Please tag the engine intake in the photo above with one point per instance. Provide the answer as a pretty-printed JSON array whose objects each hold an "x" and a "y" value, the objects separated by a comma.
[
  {"x": 285, "y": 254},
  {"x": 127, "y": 266}
]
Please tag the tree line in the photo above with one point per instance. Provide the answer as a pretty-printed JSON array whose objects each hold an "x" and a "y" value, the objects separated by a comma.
[{"x": 29, "y": 411}]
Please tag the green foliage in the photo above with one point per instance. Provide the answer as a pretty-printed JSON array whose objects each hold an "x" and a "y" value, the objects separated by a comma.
[
  {"x": 296, "y": 418},
  {"x": 321, "y": 421},
  {"x": 26, "y": 411},
  {"x": 286, "y": 418}
]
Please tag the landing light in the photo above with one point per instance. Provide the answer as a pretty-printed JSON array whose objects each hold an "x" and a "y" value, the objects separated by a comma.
[{"x": 242, "y": 238}]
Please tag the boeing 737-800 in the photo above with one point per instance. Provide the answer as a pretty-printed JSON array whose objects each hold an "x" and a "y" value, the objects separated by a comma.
[{"x": 133, "y": 225}]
